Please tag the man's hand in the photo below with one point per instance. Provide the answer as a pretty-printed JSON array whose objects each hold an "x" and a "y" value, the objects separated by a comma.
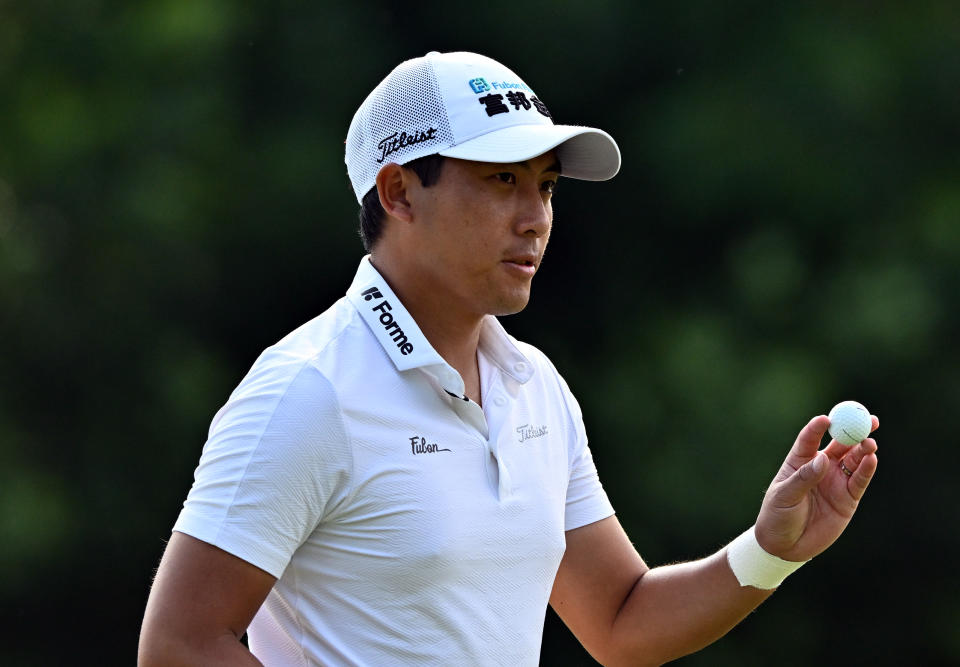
[{"x": 812, "y": 498}]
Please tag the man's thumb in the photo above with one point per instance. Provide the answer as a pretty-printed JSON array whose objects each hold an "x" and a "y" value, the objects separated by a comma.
[{"x": 804, "y": 479}]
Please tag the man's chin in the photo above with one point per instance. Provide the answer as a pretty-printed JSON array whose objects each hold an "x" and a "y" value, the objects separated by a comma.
[{"x": 511, "y": 305}]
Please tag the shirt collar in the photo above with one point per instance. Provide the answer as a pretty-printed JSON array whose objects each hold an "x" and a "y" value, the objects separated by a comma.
[
  {"x": 404, "y": 342},
  {"x": 391, "y": 324},
  {"x": 501, "y": 349}
]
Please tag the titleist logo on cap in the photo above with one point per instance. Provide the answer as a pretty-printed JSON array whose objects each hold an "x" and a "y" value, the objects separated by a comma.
[{"x": 394, "y": 143}]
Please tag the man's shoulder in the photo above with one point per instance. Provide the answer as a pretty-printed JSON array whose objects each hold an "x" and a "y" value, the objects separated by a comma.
[
  {"x": 294, "y": 377},
  {"x": 541, "y": 362},
  {"x": 312, "y": 338},
  {"x": 320, "y": 344},
  {"x": 337, "y": 334},
  {"x": 550, "y": 379}
]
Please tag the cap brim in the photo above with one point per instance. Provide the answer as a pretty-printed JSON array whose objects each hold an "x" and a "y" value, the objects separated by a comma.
[{"x": 584, "y": 152}]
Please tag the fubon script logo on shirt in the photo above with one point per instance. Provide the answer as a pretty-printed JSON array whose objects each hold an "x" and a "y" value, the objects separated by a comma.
[
  {"x": 419, "y": 445},
  {"x": 389, "y": 324}
]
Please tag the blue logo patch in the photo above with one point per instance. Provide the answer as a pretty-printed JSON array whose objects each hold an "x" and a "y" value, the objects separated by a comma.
[{"x": 479, "y": 85}]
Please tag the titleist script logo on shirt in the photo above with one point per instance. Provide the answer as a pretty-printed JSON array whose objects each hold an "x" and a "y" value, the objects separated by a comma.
[
  {"x": 386, "y": 319},
  {"x": 528, "y": 432},
  {"x": 419, "y": 445},
  {"x": 399, "y": 140}
]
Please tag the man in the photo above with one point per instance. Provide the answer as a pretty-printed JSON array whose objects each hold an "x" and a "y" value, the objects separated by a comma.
[{"x": 400, "y": 482}]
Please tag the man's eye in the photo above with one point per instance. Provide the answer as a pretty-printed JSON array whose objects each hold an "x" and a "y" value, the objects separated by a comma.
[
  {"x": 548, "y": 186},
  {"x": 507, "y": 177}
]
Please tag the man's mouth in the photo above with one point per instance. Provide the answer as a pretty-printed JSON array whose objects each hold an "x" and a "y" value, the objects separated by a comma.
[
  {"x": 523, "y": 259},
  {"x": 524, "y": 264}
]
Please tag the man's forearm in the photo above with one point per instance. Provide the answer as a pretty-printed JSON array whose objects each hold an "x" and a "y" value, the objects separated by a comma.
[{"x": 678, "y": 609}]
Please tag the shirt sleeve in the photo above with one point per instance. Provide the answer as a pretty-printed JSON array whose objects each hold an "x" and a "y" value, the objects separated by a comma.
[
  {"x": 587, "y": 502},
  {"x": 276, "y": 463}
]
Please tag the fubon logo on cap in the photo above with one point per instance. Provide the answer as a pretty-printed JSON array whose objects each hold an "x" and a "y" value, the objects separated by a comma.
[
  {"x": 479, "y": 85},
  {"x": 515, "y": 93}
]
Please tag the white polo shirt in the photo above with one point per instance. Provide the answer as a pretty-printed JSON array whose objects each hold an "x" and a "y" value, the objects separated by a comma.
[{"x": 404, "y": 524}]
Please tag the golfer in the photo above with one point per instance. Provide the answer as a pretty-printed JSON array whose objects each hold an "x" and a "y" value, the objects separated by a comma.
[{"x": 400, "y": 482}]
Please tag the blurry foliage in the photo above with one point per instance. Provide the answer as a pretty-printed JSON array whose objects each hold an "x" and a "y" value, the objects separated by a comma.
[{"x": 784, "y": 234}]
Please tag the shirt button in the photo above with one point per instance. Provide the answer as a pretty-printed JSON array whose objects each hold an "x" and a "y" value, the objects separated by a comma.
[
  {"x": 500, "y": 401},
  {"x": 520, "y": 367}
]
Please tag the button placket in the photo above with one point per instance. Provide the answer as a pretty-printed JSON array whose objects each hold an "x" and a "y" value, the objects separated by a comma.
[
  {"x": 498, "y": 408},
  {"x": 470, "y": 414}
]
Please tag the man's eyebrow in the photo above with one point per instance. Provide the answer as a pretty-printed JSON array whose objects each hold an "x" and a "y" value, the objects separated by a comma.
[{"x": 553, "y": 167}]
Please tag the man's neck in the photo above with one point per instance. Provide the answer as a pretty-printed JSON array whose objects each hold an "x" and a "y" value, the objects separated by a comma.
[{"x": 454, "y": 334}]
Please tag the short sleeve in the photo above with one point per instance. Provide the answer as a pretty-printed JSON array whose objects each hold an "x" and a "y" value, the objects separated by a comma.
[
  {"x": 276, "y": 463},
  {"x": 587, "y": 501}
]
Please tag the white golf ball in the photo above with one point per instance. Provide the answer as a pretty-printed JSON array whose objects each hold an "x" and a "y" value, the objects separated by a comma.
[{"x": 849, "y": 423}]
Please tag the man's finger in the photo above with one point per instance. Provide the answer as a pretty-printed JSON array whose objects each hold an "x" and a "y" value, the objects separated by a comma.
[
  {"x": 838, "y": 452},
  {"x": 852, "y": 457},
  {"x": 808, "y": 441},
  {"x": 795, "y": 487},
  {"x": 860, "y": 479}
]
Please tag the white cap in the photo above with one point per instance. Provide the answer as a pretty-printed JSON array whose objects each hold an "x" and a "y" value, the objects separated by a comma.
[{"x": 464, "y": 105}]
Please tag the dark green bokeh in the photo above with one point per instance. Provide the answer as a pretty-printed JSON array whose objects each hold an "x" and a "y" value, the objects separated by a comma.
[{"x": 784, "y": 234}]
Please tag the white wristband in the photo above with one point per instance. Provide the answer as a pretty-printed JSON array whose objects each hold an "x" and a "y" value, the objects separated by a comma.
[{"x": 755, "y": 567}]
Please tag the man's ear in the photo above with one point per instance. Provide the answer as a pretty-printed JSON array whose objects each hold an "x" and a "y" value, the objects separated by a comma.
[{"x": 392, "y": 183}]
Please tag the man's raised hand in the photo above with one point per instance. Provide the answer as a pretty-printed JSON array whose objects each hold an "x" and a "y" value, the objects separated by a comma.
[{"x": 813, "y": 497}]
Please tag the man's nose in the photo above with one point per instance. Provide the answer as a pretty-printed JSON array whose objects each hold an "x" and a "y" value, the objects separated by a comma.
[{"x": 536, "y": 213}]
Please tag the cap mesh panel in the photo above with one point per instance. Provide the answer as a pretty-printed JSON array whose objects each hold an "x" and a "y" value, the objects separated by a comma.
[{"x": 403, "y": 108}]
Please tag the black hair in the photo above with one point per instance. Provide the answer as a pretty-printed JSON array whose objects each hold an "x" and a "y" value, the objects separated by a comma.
[{"x": 371, "y": 215}]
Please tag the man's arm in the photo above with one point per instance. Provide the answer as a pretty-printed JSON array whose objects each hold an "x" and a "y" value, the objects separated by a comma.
[
  {"x": 201, "y": 603},
  {"x": 626, "y": 613}
]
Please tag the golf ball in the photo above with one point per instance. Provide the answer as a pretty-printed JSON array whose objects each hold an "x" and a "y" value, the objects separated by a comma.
[{"x": 849, "y": 423}]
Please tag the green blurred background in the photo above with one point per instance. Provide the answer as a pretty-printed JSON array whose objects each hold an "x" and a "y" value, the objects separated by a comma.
[{"x": 784, "y": 234}]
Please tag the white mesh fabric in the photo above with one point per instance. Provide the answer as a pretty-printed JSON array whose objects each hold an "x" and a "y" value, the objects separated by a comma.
[{"x": 401, "y": 120}]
